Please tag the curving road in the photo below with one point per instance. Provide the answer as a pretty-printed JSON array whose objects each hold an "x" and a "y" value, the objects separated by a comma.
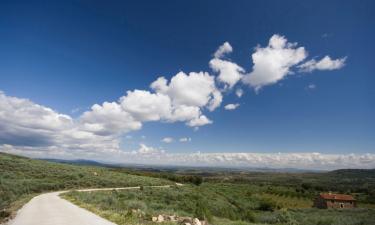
[{"x": 50, "y": 209}]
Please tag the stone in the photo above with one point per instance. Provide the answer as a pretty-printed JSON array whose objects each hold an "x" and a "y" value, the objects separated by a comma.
[
  {"x": 172, "y": 218},
  {"x": 160, "y": 218},
  {"x": 196, "y": 221},
  {"x": 154, "y": 219},
  {"x": 185, "y": 219}
]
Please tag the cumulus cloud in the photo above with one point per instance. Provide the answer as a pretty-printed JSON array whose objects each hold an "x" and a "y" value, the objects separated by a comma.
[
  {"x": 189, "y": 94},
  {"x": 193, "y": 89},
  {"x": 200, "y": 121},
  {"x": 231, "y": 106},
  {"x": 30, "y": 126},
  {"x": 108, "y": 119},
  {"x": 223, "y": 49},
  {"x": 167, "y": 140},
  {"x": 229, "y": 72},
  {"x": 273, "y": 62},
  {"x": 146, "y": 106},
  {"x": 326, "y": 63}
]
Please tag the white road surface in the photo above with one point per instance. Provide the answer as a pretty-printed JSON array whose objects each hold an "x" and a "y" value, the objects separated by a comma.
[{"x": 50, "y": 209}]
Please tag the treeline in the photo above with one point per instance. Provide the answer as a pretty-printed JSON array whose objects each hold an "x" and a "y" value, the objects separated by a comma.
[{"x": 178, "y": 178}]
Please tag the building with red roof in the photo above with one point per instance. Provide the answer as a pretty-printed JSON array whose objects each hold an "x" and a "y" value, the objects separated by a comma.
[{"x": 338, "y": 201}]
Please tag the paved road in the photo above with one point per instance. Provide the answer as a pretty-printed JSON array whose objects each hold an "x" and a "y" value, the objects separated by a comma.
[{"x": 50, "y": 209}]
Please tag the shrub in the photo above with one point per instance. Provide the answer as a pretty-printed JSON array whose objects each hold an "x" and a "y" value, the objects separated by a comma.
[
  {"x": 249, "y": 216},
  {"x": 267, "y": 205},
  {"x": 325, "y": 222},
  {"x": 202, "y": 212}
]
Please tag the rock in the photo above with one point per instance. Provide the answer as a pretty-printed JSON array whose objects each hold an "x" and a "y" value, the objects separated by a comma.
[
  {"x": 187, "y": 223},
  {"x": 196, "y": 221},
  {"x": 172, "y": 218},
  {"x": 185, "y": 220},
  {"x": 160, "y": 218},
  {"x": 154, "y": 219}
]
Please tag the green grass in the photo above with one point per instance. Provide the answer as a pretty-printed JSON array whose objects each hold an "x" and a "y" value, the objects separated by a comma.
[{"x": 21, "y": 177}]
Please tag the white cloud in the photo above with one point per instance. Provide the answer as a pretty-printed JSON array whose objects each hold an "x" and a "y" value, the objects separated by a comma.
[
  {"x": 146, "y": 106},
  {"x": 150, "y": 155},
  {"x": 223, "y": 49},
  {"x": 326, "y": 63},
  {"x": 184, "y": 113},
  {"x": 167, "y": 140},
  {"x": 311, "y": 86},
  {"x": 185, "y": 139},
  {"x": 215, "y": 101},
  {"x": 239, "y": 92},
  {"x": 200, "y": 121},
  {"x": 229, "y": 73},
  {"x": 273, "y": 160},
  {"x": 232, "y": 106},
  {"x": 108, "y": 119},
  {"x": 29, "y": 126},
  {"x": 160, "y": 85},
  {"x": 147, "y": 150},
  {"x": 273, "y": 62},
  {"x": 193, "y": 89}
]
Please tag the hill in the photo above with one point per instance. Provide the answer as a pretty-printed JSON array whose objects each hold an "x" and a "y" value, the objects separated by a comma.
[{"x": 21, "y": 177}]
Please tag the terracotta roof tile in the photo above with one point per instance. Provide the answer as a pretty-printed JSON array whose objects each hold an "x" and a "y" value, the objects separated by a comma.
[{"x": 330, "y": 196}]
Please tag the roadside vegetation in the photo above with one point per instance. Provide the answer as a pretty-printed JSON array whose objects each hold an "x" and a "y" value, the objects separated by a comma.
[
  {"x": 21, "y": 178},
  {"x": 221, "y": 204}
]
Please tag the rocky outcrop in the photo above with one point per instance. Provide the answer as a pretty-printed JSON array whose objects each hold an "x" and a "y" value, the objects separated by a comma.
[{"x": 183, "y": 220}]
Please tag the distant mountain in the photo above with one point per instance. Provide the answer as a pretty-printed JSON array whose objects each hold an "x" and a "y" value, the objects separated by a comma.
[
  {"x": 83, "y": 162},
  {"x": 173, "y": 168}
]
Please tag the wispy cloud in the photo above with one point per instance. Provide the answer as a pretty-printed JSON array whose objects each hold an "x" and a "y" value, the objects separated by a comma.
[
  {"x": 167, "y": 140},
  {"x": 326, "y": 63},
  {"x": 231, "y": 106},
  {"x": 185, "y": 139}
]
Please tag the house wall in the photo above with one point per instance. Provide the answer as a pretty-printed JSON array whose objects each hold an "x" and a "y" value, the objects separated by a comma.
[
  {"x": 336, "y": 204},
  {"x": 339, "y": 204},
  {"x": 320, "y": 203}
]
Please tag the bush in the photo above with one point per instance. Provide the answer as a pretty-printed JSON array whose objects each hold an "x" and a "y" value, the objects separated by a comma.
[
  {"x": 202, "y": 212},
  {"x": 325, "y": 222},
  {"x": 267, "y": 205},
  {"x": 249, "y": 216}
]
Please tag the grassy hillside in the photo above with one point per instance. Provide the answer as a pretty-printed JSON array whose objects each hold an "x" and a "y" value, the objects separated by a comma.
[
  {"x": 358, "y": 182},
  {"x": 223, "y": 204},
  {"x": 239, "y": 198},
  {"x": 21, "y": 177}
]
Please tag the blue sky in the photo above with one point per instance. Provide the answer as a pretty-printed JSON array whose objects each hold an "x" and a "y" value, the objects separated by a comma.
[{"x": 70, "y": 55}]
